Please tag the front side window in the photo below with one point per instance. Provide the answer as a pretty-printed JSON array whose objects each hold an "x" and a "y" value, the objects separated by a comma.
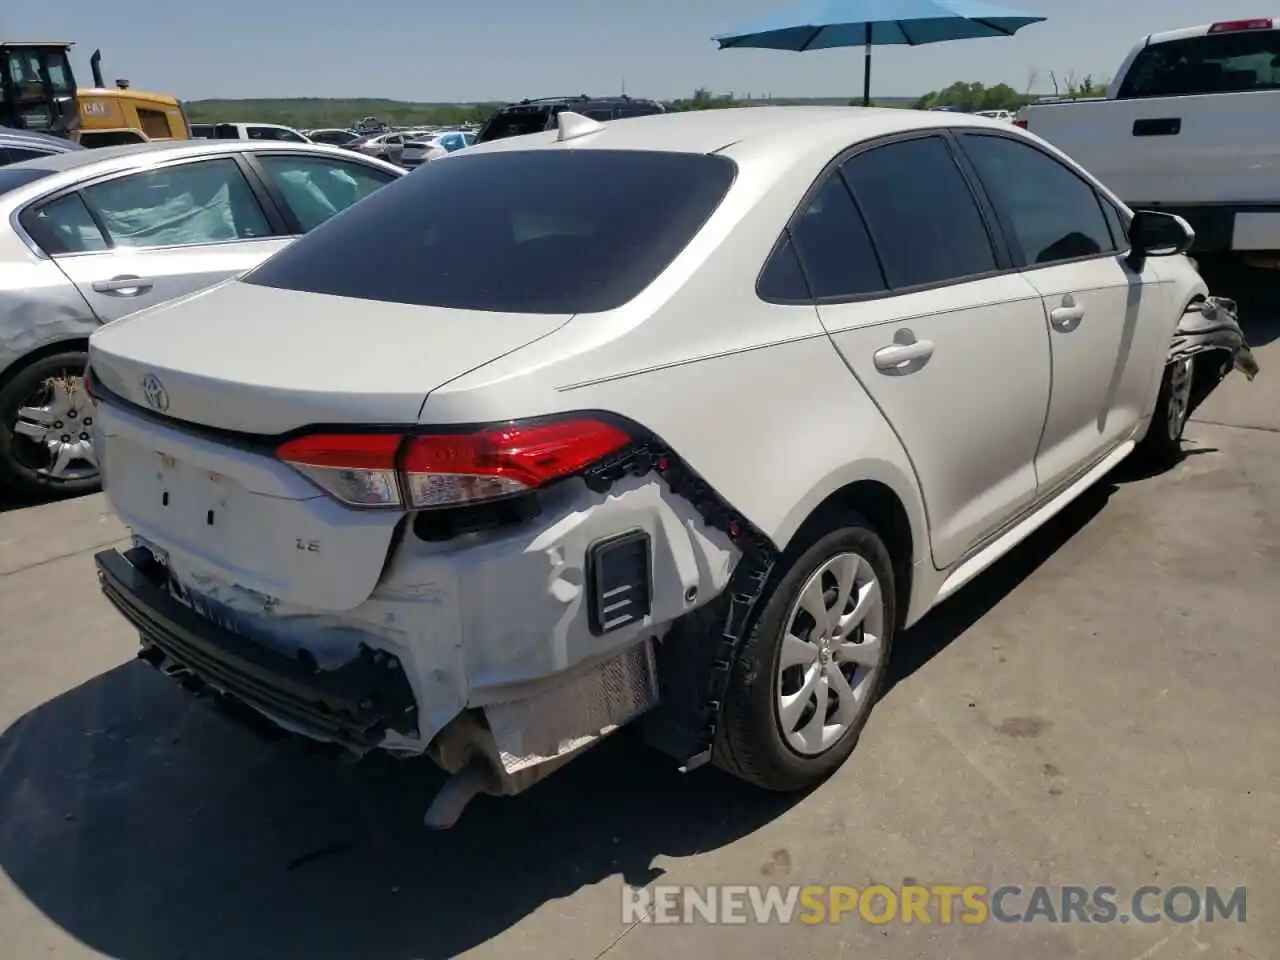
[
  {"x": 316, "y": 189},
  {"x": 599, "y": 228},
  {"x": 1051, "y": 212},
  {"x": 205, "y": 202},
  {"x": 920, "y": 212}
]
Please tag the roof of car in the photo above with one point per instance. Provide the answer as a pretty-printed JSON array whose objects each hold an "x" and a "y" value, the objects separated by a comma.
[
  {"x": 168, "y": 148},
  {"x": 710, "y": 131},
  {"x": 42, "y": 141},
  {"x": 67, "y": 169}
]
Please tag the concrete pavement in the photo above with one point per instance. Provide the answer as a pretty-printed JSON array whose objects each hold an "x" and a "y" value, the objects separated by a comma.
[{"x": 1100, "y": 708}]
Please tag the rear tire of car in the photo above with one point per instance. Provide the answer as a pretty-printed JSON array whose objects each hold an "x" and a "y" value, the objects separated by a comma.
[
  {"x": 17, "y": 474},
  {"x": 1161, "y": 448},
  {"x": 753, "y": 741}
]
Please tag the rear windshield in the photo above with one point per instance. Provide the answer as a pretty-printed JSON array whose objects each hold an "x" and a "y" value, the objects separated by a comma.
[
  {"x": 11, "y": 178},
  {"x": 515, "y": 124},
  {"x": 1215, "y": 63},
  {"x": 520, "y": 231}
]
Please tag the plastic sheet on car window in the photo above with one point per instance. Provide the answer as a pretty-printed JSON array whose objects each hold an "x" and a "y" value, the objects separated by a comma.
[{"x": 178, "y": 208}]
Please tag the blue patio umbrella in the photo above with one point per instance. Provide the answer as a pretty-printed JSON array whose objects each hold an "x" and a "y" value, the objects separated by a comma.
[{"x": 823, "y": 24}]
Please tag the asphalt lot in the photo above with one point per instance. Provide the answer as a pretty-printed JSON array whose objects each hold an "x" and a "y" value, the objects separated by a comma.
[{"x": 1100, "y": 708}]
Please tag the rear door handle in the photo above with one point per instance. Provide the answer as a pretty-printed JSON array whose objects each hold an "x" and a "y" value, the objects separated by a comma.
[
  {"x": 125, "y": 286},
  {"x": 903, "y": 357}
]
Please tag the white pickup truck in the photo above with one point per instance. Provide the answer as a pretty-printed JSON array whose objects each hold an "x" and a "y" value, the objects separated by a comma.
[{"x": 1190, "y": 125}]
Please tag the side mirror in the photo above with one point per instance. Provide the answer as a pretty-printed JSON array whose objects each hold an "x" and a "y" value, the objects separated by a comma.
[{"x": 1153, "y": 234}]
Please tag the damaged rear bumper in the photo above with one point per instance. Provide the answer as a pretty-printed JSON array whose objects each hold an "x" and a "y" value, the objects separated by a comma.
[{"x": 354, "y": 705}]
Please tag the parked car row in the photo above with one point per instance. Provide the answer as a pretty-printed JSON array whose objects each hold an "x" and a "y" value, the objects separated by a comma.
[
  {"x": 89, "y": 236},
  {"x": 391, "y": 496}
]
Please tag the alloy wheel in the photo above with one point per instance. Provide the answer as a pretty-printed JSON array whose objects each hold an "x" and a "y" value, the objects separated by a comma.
[
  {"x": 54, "y": 430},
  {"x": 1180, "y": 381},
  {"x": 831, "y": 654}
]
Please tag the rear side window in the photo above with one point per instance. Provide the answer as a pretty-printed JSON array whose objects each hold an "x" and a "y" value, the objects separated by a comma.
[
  {"x": 831, "y": 240},
  {"x": 527, "y": 231},
  {"x": 63, "y": 226},
  {"x": 1214, "y": 63},
  {"x": 921, "y": 213}
]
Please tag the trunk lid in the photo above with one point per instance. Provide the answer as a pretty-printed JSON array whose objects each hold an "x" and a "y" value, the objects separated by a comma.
[
  {"x": 236, "y": 524},
  {"x": 263, "y": 360}
]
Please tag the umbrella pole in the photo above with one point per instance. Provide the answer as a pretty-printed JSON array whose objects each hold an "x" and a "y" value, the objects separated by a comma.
[{"x": 866, "y": 69}]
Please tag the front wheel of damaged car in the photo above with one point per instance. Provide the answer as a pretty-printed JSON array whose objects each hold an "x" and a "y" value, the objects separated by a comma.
[
  {"x": 815, "y": 662},
  {"x": 1161, "y": 448},
  {"x": 46, "y": 429}
]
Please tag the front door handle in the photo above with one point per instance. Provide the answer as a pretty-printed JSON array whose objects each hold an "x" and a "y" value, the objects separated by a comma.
[
  {"x": 125, "y": 286},
  {"x": 906, "y": 355},
  {"x": 1066, "y": 317}
]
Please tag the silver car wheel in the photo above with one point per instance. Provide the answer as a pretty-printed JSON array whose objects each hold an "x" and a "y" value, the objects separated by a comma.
[
  {"x": 58, "y": 423},
  {"x": 1180, "y": 380},
  {"x": 831, "y": 654}
]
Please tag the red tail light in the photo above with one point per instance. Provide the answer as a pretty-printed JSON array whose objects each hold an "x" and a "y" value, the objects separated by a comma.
[
  {"x": 420, "y": 472},
  {"x": 89, "y": 385},
  {"x": 1020, "y": 123},
  {"x": 1234, "y": 26}
]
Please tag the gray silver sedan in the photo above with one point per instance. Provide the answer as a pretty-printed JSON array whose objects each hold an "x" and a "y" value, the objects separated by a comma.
[{"x": 89, "y": 236}]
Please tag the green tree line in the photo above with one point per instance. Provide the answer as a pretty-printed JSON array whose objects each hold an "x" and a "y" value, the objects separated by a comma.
[
  {"x": 315, "y": 113},
  {"x": 312, "y": 114}
]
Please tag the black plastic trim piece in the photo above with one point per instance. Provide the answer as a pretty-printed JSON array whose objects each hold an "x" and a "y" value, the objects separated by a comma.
[
  {"x": 597, "y": 561},
  {"x": 353, "y": 705},
  {"x": 694, "y": 670}
]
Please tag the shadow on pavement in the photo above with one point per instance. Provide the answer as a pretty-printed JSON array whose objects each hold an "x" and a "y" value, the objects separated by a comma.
[{"x": 148, "y": 826}]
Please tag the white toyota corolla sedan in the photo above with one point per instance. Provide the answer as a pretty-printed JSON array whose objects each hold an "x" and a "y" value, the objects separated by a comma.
[{"x": 679, "y": 419}]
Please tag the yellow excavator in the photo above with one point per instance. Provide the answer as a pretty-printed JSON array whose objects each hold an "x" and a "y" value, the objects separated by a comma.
[{"x": 38, "y": 92}]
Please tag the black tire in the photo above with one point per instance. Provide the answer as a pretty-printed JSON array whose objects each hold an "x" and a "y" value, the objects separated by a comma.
[
  {"x": 1161, "y": 448},
  {"x": 750, "y": 743},
  {"x": 17, "y": 473}
]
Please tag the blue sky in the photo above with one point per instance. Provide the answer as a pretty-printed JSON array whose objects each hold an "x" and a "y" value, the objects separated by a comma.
[{"x": 505, "y": 49}]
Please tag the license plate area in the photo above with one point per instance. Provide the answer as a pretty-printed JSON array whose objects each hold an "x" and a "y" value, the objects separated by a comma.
[{"x": 190, "y": 503}]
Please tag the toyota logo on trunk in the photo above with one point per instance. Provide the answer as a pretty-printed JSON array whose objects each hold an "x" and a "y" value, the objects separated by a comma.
[{"x": 153, "y": 390}]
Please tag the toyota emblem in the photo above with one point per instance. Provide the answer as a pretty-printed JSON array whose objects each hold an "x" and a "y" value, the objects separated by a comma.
[{"x": 153, "y": 390}]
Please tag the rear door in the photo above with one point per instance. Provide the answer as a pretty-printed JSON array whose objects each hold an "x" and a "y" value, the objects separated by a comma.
[
  {"x": 917, "y": 294},
  {"x": 1106, "y": 323},
  {"x": 138, "y": 239}
]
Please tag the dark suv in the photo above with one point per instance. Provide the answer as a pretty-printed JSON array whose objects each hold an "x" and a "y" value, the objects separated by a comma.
[{"x": 532, "y": 116}]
